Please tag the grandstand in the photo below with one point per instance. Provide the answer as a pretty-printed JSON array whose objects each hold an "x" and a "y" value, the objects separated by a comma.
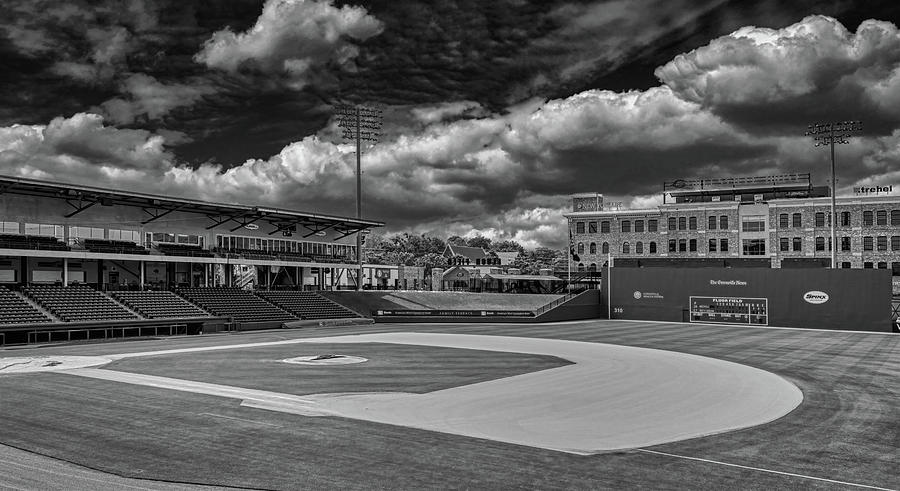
[
  {"x": 158, "y": 304},
  {"x": 307, "y": 305},
  {"x": 240, "y": 305},
  {"x": 16, "y": 310},
  {"x": 77, "y": 303}
]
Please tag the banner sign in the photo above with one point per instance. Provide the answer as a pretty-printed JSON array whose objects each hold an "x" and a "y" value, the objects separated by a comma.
[{"x": 455, "y": 313}]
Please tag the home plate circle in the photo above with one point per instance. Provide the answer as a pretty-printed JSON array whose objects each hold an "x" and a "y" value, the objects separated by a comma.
[
  {"x": 329, "y": 359},
  {"x": 27, "y": 364}
]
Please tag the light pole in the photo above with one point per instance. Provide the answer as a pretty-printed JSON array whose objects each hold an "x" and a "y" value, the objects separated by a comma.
[
  {"x": 831, "y": 134},
  {"x": 359, "y": 123}
]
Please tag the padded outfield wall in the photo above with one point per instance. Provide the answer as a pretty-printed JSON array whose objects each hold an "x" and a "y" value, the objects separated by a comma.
[{"x": 848, "y": 299}]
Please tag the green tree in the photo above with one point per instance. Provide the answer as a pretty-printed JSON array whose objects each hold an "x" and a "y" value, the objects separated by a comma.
[{"x": 479, "y": 241}]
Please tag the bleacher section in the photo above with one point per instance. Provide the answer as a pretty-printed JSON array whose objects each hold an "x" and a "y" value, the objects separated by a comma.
[
  {"x": 159, "y": 304},
  {"x": 15, "y": 310},
  {"x": 241, "y": 305},
  {"x": 183, "y": 250},
  {"x": 15, "y": 241},
  {"x": 307, "y": 305},
  {"x": 113, "y": 246},
  {"x": 77, "y": 303}
]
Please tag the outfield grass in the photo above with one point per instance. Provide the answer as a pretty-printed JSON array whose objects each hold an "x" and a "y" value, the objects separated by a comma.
[{"x": 846, "y": 429}]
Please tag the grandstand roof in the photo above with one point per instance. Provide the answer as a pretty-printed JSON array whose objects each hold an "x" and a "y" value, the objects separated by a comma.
[{"x": 81, "y": 198}]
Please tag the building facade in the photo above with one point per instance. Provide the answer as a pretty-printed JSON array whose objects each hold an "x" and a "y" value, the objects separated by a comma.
[{"x": 777, "y": 221}]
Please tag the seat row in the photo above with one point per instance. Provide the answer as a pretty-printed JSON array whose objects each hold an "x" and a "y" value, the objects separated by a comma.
[
  {"x": 307, "y": 305},
  {"x": 241, "y": 305},
  {"x": 15, "y": 310},
  {"x": 159, "y": 304},
  {"x": 77, "y": 303}
]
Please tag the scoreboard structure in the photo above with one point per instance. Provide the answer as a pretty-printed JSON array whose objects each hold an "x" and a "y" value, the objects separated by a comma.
[{"x": 730, "y": 310}]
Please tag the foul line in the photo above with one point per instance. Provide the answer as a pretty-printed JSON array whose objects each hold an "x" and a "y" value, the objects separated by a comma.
[{"x": 760, "y": 469}]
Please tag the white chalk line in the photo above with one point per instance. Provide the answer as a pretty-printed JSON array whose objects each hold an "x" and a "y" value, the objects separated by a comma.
[{"x": 760, "y": 469}]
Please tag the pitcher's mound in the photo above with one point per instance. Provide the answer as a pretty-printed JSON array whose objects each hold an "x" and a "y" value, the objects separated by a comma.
[
  {"x": 328, "y": 359},
  {"x": 27, "y": 364}
]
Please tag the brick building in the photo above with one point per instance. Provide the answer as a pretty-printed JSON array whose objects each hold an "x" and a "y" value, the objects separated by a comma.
[{"x": 773, "y": 221}]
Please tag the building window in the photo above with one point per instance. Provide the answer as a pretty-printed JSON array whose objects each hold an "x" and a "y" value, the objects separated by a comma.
[
  {"x": 868, "y": 218},
  {"x": 581, "y": 248},
  {"x": 754, "y": 247},
  {"x": 895, "y": 242},
  {"x": 605, "y": 248},
  {"x": 692, "y": 245},
  {"x": 868, "y": 243},
  {"x": 682, "y": 245},
  {"x": 692, "y": 223},
  {"x": 712, "y": 245},
  {"x": 593, "y": 248},
  {"x": 639, "y": 248},
  {"x": 592, "y": 227},
  {"x": 712, "y": 223},
  {"x": 626, "y": 225},
  {"x": 867, "y": 265},
  {"x": 672, "y": 246},
  {"x": 753, "y": 223},
  {"x": 797, "y": 244},
  {"x": 638, "y": 225},
  {"x": 592, "y": 267},
  {"x": 653, "y": 248},
  {"x": 652, "y": 225},
  {"x": 723, "y": 245},
  {"x": 881, "y": 217},
  {"x": 895, "y": 269},
  {"x": 882, "y": 242},
  {"x": 784, "y": 245},
  {"x": 579, "y": 227},
  {"x": 604, "y": 227},
  {"x": 845, "y": 219},
  {"x": 845, "y": 265},
  {"x": 845, "y": 244},
  {"x": 820, "y": 219},
  {"x": 672, "y": 223},
  {"x": 723, "y": 222},
  {"x": 796, "y": 220},
  {"x": 820, "y": 243},
  {"x": 783, "y": 220},
  {"x": 895, "y": 218},
  {"x": 626, "y": 248},
  {"x": 882, "y": 265},
  {"x": 682, "y": 223},
  {"x": 580, "y": 267}
]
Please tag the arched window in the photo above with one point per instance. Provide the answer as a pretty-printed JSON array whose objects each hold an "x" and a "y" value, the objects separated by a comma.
[
  {"x": 653, "y": 248},
  {"x": 712, "y": 222},
  {"x": 626, "y": 248},
  {"x": 592, "y": 267},
  {"x": 639, "y": 247},
  {"x": 605, "y": 248},
  {"x": 581, "y": 267},
  {"x": 581, "y": 248},
  {"x": 593, "y": 248}
]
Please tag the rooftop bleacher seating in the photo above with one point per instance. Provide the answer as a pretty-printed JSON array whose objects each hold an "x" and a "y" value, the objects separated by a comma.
[
  {"x": 183, "y": 250},
  {"x": 77, "y": 303},
  {"x": 159, "y": 304},
  {"x": 306, "y": 305},
  {"x": 113, "y": 246},
  {"x": 16, "y": 241},
  {"x": 15, "y": 310},
  {"x": 241, "y": 305}
]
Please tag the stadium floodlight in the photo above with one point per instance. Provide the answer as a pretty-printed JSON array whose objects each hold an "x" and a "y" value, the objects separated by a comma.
[
  {"x": 359, "y": 123},
  {"x": 831, "y": 134}
]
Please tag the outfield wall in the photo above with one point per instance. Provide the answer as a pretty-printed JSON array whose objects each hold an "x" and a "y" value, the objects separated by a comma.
[{"x": 847, "y": 299}]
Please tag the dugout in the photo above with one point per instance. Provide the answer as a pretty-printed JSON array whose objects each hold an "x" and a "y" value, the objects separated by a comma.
[{"x": 846, "y": 299}]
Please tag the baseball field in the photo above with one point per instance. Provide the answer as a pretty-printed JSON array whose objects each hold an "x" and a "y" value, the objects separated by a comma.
[{"x": 577, "y": 405}]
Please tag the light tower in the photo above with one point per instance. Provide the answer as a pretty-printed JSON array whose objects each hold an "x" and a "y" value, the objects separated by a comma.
[
  {"x": 359, "y": 123},
  {"x": 831, "y": 134}
]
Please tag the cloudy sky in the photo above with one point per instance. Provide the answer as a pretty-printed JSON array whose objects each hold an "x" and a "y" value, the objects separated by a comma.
[{"x": 495, "y": 111}]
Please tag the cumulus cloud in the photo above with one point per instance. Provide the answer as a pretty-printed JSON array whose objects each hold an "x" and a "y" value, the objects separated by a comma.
[
  {"x": 148, "y": 98},
  {"x": 812, "y": 69},
  {"x": 293, "y": 39}
]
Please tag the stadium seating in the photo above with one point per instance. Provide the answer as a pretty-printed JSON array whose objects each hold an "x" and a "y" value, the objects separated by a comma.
[
  {"x": 183, "y": 250},
  {"x": 16, "y": 241},
  {"x": 306, "y": 305},
  {"x": 15, "y": 310},
  {"x": 113, "y": 246},
  {"x": 77, "y": 303},
  {"x": 241, "y": 305},
  {"x": 159, "y": 304}
]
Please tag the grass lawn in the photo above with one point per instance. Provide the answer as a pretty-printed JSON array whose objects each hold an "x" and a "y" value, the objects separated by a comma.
[{"x": 846, "y": 428}]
